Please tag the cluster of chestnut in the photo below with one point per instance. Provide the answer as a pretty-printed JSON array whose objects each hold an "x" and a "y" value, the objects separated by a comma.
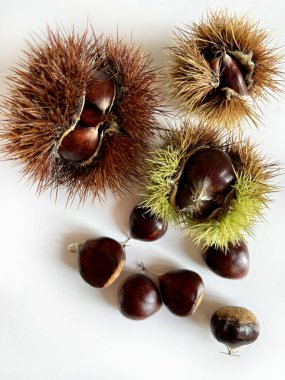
[
  {"x": 101, "y": 261},
  {"x": 80, "y": 144}
]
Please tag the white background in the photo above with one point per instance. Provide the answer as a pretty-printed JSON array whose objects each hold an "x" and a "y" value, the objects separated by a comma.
[{"x": 55, "y": 326}]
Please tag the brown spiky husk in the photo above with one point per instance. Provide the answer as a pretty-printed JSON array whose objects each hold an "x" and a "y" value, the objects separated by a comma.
[
  {"x": 44, "y": 93},
  {"x": 191, "y": 80}
]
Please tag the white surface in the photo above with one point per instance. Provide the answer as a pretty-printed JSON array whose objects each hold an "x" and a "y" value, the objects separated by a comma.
[{"x": 55, "y": 326}]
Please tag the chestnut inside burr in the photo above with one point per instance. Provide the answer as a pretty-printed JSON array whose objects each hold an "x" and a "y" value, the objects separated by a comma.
[
  {"x": 101, "y": 91},
  {"x": 182, "y": 291},
  {"x": 205, "y": 184},
  {"x": 232, "y": 73},
  {"x": 81, "y": 143}
]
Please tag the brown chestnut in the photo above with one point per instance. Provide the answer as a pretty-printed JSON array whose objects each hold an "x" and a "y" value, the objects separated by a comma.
[
  {"x": 206, "y": 180},
  {"x": 80, "y": 144},
  {"x": 233, "y": 263},
  {"x": 231, "y": 75},
  {"x": 234, "y": 326},
  {"x": 101, "y": 91},
  {"x": 144, "y": 226},
  {"x": 139, "y": 297},
  {"x": 181, "y": 291},
  {"x": 90, "y": 116},
  {"x": 101, "y": 261}
]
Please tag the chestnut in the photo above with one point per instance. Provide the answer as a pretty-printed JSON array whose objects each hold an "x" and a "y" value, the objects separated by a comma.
[
  {"x": 80, "y": 144},
  {"x": 139, "y": 297},
  {"x": 145, "y": 226},
  {"x": 181, "y": 291},
  {"x": 231, "y": 76},
  {"x": 90, "y": 116},
  {"x": 232, "y": 263},
  {"x": 101, "y": 261},
  {"x": 205, "y": 182},
  {"x": 101, "y": 91},
  {"x": 234, "y": 326}
]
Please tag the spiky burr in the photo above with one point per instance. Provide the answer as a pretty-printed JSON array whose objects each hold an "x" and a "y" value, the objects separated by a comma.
[
  {"x": 217, "y": 205},
  {"x": 80, "y": 113},
  {"x": 221, "y": 67}
]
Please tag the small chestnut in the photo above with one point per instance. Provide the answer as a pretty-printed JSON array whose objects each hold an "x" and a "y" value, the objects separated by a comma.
[
  {"x": 233, "y": 263},
  {"x": 231, "y": 75},
  {"x": 80, "y": 144},
  {"x": 101, "y": 261},
  {"x": 234, "y": 326},
  {"x": 139, "y": 297},
  {"x": 101, "y": 91},
  {"x": 181, "y": 291},
  {"x": 144, "y": 226}
]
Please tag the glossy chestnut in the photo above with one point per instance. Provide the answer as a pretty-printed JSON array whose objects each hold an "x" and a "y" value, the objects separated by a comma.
[
  {"x": 181, "y": 291},
  {"x": 101, "y": 91},
  {"x": 144, "y": 226},
  {"x": 80, "y": 144},
  {"x": 206, "y": 180},
  {"x": 90, "y": 116},
  {"x": 101, "y": 261},
  {"x": 139, "y": 297},
  {"x": 231, "y": 75},
  {"x": 233, "y": 263},
  {"x": 234, "y": 326}
]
